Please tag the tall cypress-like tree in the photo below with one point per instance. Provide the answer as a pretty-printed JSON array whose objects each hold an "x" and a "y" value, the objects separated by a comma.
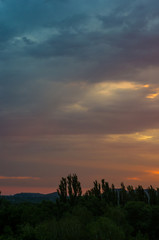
[
  {"x": 96, "y": 190},
  {"x": 152, "y": 195},
  {"x": 69, "y": 189},
  {"x": 140, "y": 194},
  {"x": 106, "y": 191},
  {"x": 131, "y": 193},
  {"x": 123, "y": 194},
  {"x": 62, "y": 190}
]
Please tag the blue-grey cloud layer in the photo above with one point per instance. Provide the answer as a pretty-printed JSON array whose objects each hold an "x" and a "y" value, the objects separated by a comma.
[{"x": 113, "y": 39}]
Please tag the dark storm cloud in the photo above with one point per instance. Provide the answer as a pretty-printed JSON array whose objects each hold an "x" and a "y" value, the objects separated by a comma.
[
  {"x": 123, "y": 39},
  {"x": 120, "y": 35}
]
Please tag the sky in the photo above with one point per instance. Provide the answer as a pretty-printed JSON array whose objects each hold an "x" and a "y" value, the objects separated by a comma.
[{"x": 79, "y": 93}]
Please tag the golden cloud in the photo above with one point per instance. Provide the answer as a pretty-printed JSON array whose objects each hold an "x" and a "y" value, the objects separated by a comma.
[{"x": 153, "y": 95}]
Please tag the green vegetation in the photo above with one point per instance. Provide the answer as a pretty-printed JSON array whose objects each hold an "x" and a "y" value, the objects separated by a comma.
[{"x": 102, "y": 213}]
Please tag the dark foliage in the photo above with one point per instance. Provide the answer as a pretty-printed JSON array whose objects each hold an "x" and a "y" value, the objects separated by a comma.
[{"x": 102, "y": 213}]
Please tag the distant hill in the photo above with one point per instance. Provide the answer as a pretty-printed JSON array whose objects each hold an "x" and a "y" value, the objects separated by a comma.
[{"x": 31, "y": 197}]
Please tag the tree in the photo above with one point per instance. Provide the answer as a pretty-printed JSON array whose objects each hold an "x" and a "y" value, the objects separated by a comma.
[
  {"x": 62, "y": 190},
  {"x": 131, "y": 193},
  {"x": 106, "y": 191},
  {"x": 123, "y": 194},
  {"x": 103, "y": 229},
  {"x": 138, "y": 216},
  {"x": 74, "y": 187},
  {"x": 152, "y": 195},
  {"x": 140, "y": 194},
  {"x": 69, "y": 189},
  {"x": 95, "y": 191},
  {"x": 114, "y": 195}
]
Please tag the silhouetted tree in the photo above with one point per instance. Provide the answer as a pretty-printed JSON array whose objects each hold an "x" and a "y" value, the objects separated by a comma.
[
  {"x": 140, "y": 194},
  {"x": 106, "y": 191},
  {"x": 123, "y": 194},
  {"x": 157, "y": 195},
  {"x": 62, "y": 190},
  {"x": 74, "y": 187},
  {"x": 114, "y": 195},
  {"x": 69, "y": 188},
  {"x": 109, "y": 194},
  {"x": 96, "y": 190},
  {"x": 152, "y": 195},
  {"x": 130, "y": 193}
]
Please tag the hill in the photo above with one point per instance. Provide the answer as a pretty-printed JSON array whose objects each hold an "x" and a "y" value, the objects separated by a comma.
[{"x": 31, "y": 197}]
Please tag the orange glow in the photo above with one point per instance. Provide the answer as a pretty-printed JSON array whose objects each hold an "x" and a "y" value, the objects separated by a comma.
[
  {"x": 134, "y": 178},
  {"x": 146, "y": 85},
  {"x": 154, "y": 172},
  {"x": 18, "y": 178}
]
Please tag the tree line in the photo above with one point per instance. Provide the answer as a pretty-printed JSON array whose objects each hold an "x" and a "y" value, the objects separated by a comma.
[
  {"x": 102, "y": 213},
  {"x": 70, "y": 190}
]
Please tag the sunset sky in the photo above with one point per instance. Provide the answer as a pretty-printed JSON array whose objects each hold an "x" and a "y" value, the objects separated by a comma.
[{"x": 79, "y": 93}]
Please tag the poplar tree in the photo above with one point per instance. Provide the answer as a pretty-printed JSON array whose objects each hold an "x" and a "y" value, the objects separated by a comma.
[
  {"x": 69, "y": 189},
  {"x": 62, "y": 190}
]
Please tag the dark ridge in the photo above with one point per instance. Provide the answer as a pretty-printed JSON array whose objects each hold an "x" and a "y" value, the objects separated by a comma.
[{"x": 31, "y": 197}]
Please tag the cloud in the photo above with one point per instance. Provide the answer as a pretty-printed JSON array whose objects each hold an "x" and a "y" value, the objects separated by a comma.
[
  {"x": 99, "y": 41},
  {"x": 71, "y": 71},
  {"x": 79, "y": 108},
  {"x": 117, "y": 45},
  {"x": 153, "y": 172},
  {"x": 18, "y": 178},
  {"x": 133, "y": 178}
]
